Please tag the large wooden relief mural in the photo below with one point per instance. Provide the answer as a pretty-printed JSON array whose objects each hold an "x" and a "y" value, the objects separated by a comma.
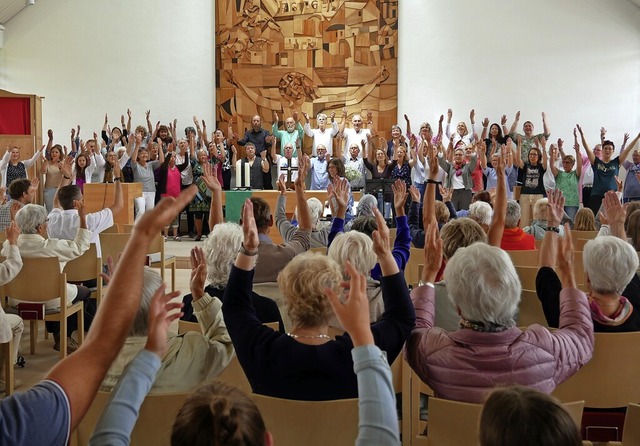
[{"x": 307, "y": 56}]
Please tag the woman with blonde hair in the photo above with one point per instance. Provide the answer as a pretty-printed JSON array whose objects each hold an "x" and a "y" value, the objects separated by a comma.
[
  {"x": 306, "y": 363},
  {"x": 585, "y": 220}
]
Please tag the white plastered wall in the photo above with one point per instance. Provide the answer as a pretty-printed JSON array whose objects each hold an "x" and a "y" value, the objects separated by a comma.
[
  {"x": 91, "y": 57},
  {"x": 578, "y": 60}
]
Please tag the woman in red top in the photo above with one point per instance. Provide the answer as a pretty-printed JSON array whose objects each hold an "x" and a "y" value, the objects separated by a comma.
[{"x": 169, "y": 185}]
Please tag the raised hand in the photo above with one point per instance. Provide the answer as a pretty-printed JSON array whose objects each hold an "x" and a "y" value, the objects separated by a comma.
[
  {"x": 485, "y": 122},
  {"x": 50, "y": 134},
  {"x": 147, "y": 114},
  {"x": 341, "y": 193},
  {"x": 381, "y": 241},
  {"x": 66, "y": 166},
  {"x": 198, "y": 272},
  {"x": 306, "y": 116},
  {"x": 282, "y": 186},
  {"x": 303, "y": 169},
  {"x": 564, "y": 259},
  {"x": 415, "y": 194},
  {"x": 161, "y": 315},
  {"x": 13, "y": 231},
  {"x": 353, "y": 314},
  {"x": 555, "y": 207},
  {"x": 472, "y": 115},
  {"x": 449, "y": 115},
  {"x": 518, "y": 115},
  {"x": 399, "y": 194},
  {"x": 249, "y": 228},
  {"x": 432, "y": 252},
  {"x": 210, "y": 178},
  {"x": 295, "y": 116},
  {"x": 446, "y": 192},
  {"x": 503, "y": 120}
]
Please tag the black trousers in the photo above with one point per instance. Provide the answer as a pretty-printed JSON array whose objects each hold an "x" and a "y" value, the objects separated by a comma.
[{"x": 84, "y": 295}]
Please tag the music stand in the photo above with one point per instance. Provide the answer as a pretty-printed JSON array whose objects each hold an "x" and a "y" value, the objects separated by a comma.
[{"x": 380, "y": 188}]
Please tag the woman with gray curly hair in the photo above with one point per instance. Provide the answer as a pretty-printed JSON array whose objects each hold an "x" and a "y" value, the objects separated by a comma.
[
  {"x": 306, "y": 363},
  {"x": 220, "y": 250}
]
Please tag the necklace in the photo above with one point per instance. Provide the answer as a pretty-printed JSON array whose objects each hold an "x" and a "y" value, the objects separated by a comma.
[{"x": 318, "y": 336}]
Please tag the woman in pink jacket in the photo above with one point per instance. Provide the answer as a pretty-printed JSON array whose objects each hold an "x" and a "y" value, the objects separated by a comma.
[{"x": 489, "y": 350}]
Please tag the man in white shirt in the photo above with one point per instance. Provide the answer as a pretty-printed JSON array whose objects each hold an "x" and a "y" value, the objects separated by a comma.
[
  {"x": 63, "y": 220},
  {"x": 321, "y": 136},
  {"x": 357, "y": 134}
]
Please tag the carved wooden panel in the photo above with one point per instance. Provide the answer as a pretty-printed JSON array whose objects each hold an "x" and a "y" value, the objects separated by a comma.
[{"x": 306, "y": 55}]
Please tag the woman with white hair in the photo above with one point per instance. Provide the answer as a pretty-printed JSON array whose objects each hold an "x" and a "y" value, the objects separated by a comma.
[
  {"x": 481, "y": 212},
  {"x": 610, "y": 266},
  {"x": 306, "y": 363},
  {"x": 34, "y": 242},
  {"x": 357, "y": 248},
  {"x": 220, "y": 250},
  {"x": 489, "y": 349},
  {"x": 192, "y": 357},
  {"x": 539, "y": 224}
]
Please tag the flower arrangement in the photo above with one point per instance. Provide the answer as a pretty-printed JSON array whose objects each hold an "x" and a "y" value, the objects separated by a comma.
[{"x": 352, "y": 174}]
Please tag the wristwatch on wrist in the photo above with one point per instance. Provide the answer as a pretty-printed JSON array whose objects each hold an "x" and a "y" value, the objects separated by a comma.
[
  {"x": 246, "y": 252},
  {"x": 555, "y": 229},
  {"x": 423, "y": 283}
]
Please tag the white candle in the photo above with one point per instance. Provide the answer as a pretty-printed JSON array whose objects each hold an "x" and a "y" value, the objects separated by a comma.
[
  {"x": 239, "y": 173},
  {"x": 247, "y": 175}
]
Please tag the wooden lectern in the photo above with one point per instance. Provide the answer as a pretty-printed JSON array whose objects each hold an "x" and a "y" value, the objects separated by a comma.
[{"x": 98, "y": 196}]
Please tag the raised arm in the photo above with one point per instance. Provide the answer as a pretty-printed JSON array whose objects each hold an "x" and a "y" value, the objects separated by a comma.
[
  {"x": 210, "y": 178},
  {"x": 543, "y": 143},
  {"x": 118, "y": 200},
  {"x": 485, "y": 128},
  {"x": 343, "y": 121},
  {"x": 555, "y": 211},
  {"x": 447, "y": 130},
  {"x": 408, "y": 122},
  {"x": 585, "y": 144},
  {"x": 514, "y": 126},
  {"x": 615, "y": 214},
  {"x": 576, "y": 147},
  {"x": 496, "y": 228},
  {"x": 517, "y": 154},
  {"x": 545, "y": 126},
  {"x": 553, "y": 160},
  {"x": 503, "y": 124},
  {"x": 304, "y": 216},
  {"x": 625, "y": 151},
  {"x": 148, "y": 118},
  {"x": 114, "y": 317},
  {"x": 429, "y": 199}
]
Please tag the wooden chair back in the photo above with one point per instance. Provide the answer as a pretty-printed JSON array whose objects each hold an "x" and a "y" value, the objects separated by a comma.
[
  {"x": 631, "y": 432},
  {"x": 527, "y": 275},
  {"x": 49, "y": 284},
  {"x": 524, "y": 258},
  {"x": 115, "y": 229},
  {"x": 6, "y": 350},
  {"x": 126, "y": 228},
  {"x": 453, "y": 423},
  {"x": 157, "y": 413},
  {"x": 412, "y": 270},
  {"x": 530, "y": 310},
  {"x": 159, "y": 259},
  {"x": 587, "y": 235},
  {"x": 609, "y": 379},
  {"x": 234, "y": 375},
  {"x": 310, "y": 423},
  {"x": 86, "y": 267},
  {"x": 112, "y": 244}
]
